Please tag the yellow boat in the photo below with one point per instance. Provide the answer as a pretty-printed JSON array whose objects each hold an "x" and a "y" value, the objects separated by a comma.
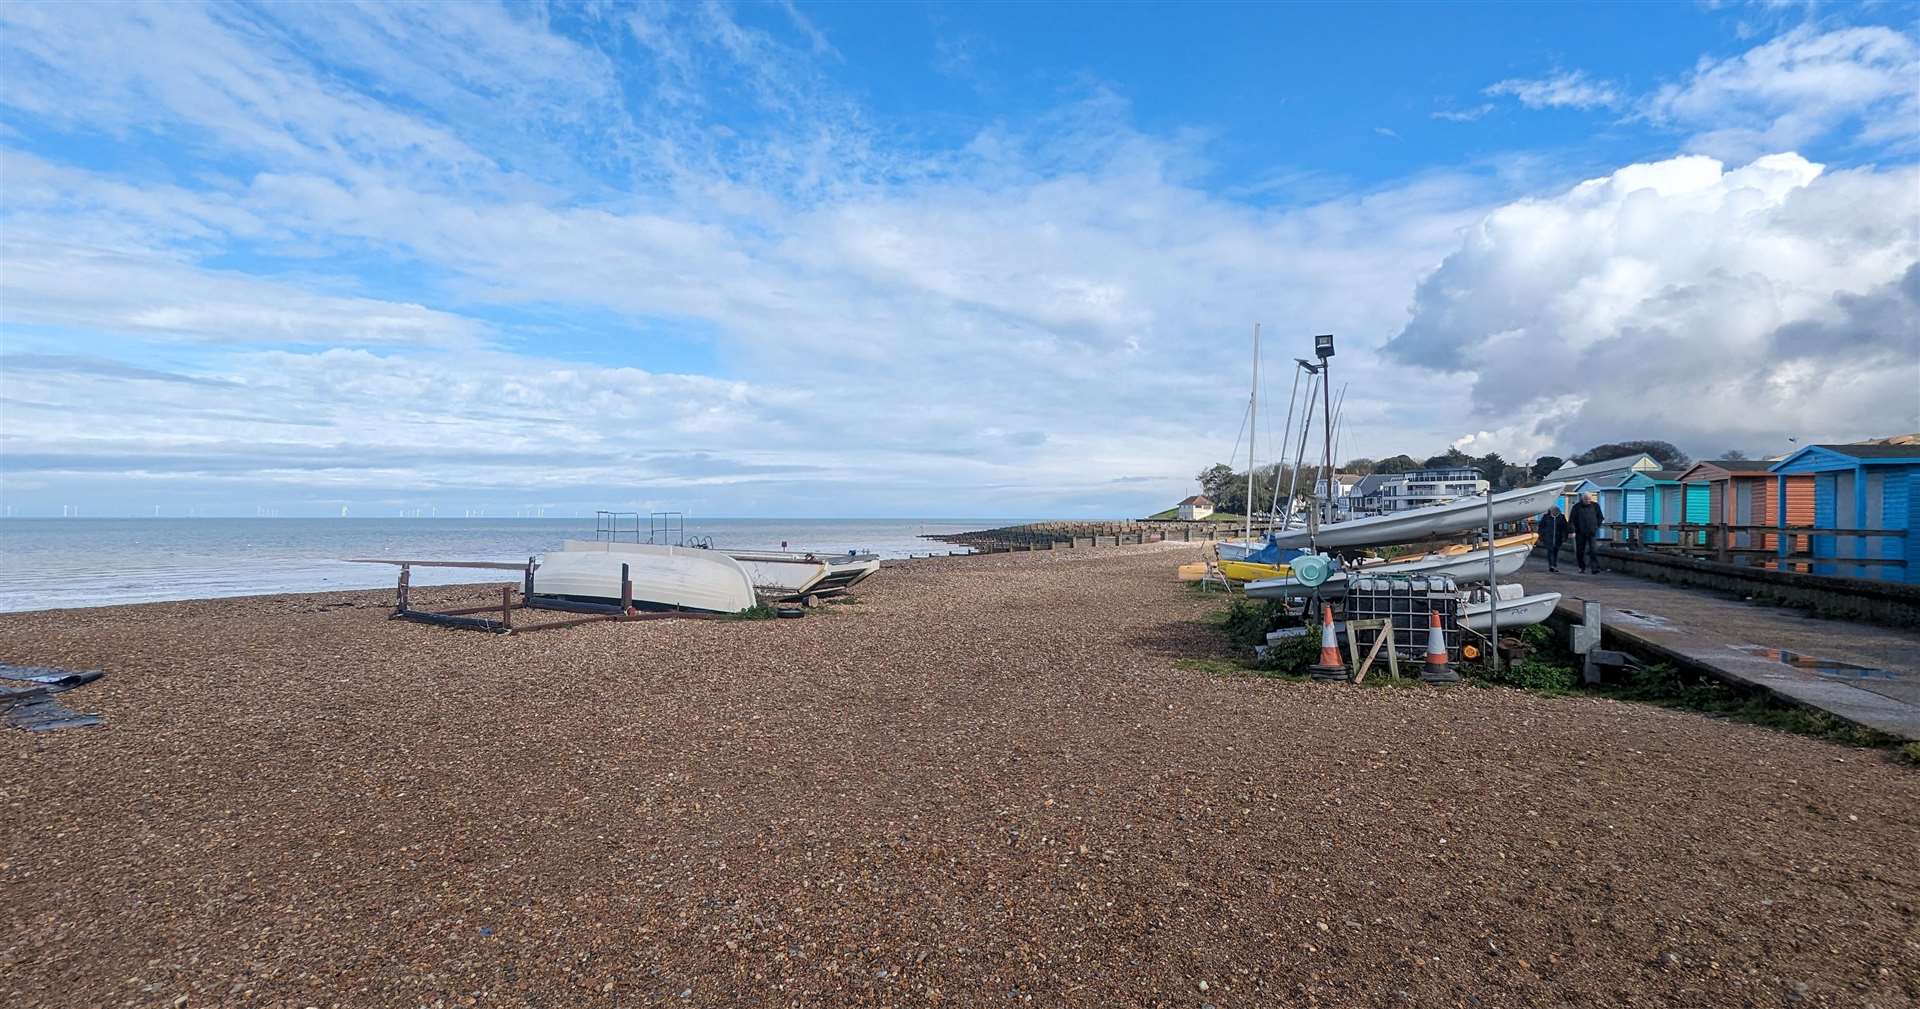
[{"x": 1248, "y": 571}]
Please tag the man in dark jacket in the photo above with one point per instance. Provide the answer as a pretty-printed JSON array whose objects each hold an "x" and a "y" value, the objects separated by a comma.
[
  {"x": 1586, "y": 519},
  {"x": 1553, "y": 533}
]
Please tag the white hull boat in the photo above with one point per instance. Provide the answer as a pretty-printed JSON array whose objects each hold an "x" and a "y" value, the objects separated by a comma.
[
  {"x": 1517, "y": 609},
  {"x": 1468, "y": 568},
  {"x": 795, "y": 575},
  {"x": 663, "y": 577},
  {"x": 1449, "y": 519},
  {"x": 780, "y": 574}
]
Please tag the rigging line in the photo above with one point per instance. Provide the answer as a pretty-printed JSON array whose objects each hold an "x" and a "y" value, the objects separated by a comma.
[
  {"x": 1339, "y": 417},
  {"x": 1287, "y": 438},
  {"x": 1293, "y": 482},
  {"x": 1236, "y": 438}
]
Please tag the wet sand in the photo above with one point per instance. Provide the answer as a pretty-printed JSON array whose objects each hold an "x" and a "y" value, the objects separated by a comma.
[{"x": 988, "y": 782}]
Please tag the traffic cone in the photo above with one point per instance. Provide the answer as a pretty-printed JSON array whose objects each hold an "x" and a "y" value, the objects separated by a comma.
[
  {"x": 1437, "y": 670},
  {"x": 1330, "y": 667}
]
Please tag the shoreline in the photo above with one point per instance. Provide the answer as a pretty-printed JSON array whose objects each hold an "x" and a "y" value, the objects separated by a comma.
[{"x": 1007, "y": 770}]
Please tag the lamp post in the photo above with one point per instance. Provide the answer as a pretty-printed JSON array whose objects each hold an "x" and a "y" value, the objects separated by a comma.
[{"x": 1323, "y": 349}]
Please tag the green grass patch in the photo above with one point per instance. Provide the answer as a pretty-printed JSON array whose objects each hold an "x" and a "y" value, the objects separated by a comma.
[
  {"x": 758, "y": 611},
  {"x": 1910, "y": 753}
]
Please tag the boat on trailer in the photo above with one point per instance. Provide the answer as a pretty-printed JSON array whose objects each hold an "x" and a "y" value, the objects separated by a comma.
[
  {"x": 1450, "y": 519},
  {"x": 1464, "y": 568},
  {"x": 776, "y": 574}
]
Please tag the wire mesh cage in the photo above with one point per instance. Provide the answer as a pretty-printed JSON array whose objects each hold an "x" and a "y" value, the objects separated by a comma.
[{"x": 1409, "y": 602}]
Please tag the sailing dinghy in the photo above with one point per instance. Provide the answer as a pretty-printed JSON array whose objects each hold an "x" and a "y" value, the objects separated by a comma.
[
  {"x": 1517, "y": 609},
  {"x": 1464, "y": 568},
  {"x": 1450, "y": 519}
]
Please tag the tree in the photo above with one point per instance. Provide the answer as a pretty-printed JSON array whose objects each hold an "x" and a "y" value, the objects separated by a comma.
[
  {"x": 1358, "y": 467},
  {"x": 1546, "y": 464},
  {"x": 1663, "y": 452},
  {"x": 1452, "y": 458},
  {"x": 1397, "y": 464},
  {"x": 1226, "y": 488},
  {"x": 1733, "y": 455}
]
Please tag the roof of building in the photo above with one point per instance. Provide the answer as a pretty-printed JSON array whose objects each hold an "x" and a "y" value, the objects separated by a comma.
[
  {"x": 1602, "y": 466},
  {"x": 1197, "y": 499},
  {"x": 1371, "y": 482},
  {"x": 1820, "y": 458}
]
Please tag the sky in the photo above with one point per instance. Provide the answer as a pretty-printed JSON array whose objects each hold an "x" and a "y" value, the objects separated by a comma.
[{"x": 926, "y": 259}]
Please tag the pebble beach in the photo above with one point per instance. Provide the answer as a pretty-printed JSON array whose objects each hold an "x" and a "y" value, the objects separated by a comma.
[{"x": 991, "y": 780}]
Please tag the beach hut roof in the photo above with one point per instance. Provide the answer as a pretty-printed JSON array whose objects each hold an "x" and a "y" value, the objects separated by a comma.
[
  {"x": 1820, "y": 458},
  {"x": 1636, "y": 461}
]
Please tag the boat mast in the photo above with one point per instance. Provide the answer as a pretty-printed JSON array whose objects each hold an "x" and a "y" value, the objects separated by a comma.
[{"x": 1253, "y": 427}]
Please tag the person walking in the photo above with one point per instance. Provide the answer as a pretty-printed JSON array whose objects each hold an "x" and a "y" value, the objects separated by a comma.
[
  {"x": 1586, "y": 519},
  {"x": 1553, "y": 533}
]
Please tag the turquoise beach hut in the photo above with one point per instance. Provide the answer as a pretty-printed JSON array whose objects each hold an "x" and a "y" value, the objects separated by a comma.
[
  {"x": 1652, "y": 497},
  {"x": 1868, "y": 486}
]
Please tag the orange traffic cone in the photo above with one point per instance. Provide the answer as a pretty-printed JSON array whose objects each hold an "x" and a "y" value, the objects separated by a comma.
[
  {"x": 1437, "y": 670},
  {"x": 1331, "y": 666}
]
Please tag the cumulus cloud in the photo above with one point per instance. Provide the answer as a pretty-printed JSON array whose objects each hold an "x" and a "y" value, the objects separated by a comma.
[
  {"x": 1570, "y": 89},
  {"x": 1686, "y": 300},
  {"x": 333, "y": 257}
]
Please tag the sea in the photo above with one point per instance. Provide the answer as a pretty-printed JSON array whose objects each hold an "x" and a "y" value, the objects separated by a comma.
[{"x": 57, "y": 563}]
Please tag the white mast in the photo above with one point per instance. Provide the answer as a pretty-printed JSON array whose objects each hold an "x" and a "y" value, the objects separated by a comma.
[{"x": 1253, "y": 427}]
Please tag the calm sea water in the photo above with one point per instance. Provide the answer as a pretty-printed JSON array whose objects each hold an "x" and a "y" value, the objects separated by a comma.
[{"x": 50, "y": 563}]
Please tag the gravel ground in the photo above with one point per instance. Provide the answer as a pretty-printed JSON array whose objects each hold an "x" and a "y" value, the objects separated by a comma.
[{"x": 986, "y": 783}]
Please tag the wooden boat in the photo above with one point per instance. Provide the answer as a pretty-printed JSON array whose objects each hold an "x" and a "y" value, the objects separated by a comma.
[
  {"x": 1516, "y": 609},
  {"x": 1450, "y": 519},
  {"x": 663, "y": 577}
]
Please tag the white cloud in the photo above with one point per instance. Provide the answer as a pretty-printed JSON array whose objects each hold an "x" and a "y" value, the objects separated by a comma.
[
  {"x": 1797, "y": 88},
  {"x": 1005, "y": 326},
  {"x": 1686, "y": 301},
  {"x": 1468, "y": 115},
  {"x": 1571, "y": 89}
]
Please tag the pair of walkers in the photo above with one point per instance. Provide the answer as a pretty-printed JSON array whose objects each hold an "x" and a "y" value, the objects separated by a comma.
[{"x": 1584, "y": 522}]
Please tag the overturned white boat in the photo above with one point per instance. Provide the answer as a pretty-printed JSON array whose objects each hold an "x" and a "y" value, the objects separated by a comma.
[
  {"x": 1419, "y": 524},
  {"x": 1516, "y": 609},
  {"x": 660, "y": 577},
  {"x": 777, "y": 574},
  {"x": 1467, "y": 568}
]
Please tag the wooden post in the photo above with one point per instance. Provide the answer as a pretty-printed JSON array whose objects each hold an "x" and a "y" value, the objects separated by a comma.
[
  {"x": 400, "y": 595},
  {"x": 626, "y": 590},
  {"x": 506, "y": 606}
]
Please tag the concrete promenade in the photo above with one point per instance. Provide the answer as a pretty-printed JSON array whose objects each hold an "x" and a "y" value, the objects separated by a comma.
[{"x": 1862, "y": 672}]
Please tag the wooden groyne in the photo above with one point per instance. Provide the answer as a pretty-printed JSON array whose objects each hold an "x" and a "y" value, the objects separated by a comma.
[{"x": 1068, "y": 535}]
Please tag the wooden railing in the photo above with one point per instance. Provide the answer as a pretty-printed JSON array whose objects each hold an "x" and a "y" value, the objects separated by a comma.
[{"x": 1792, "y": 546}]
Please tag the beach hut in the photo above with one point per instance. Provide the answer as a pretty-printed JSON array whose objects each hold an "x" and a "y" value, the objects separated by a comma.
[
  {"x": 1741, "y": 492},
  {"x": 1570, "y": 496},
  {"x": 1867, "y": 486},
  {"x": 1612, "y": 497},
  {"x": 1653, "y": 497}
]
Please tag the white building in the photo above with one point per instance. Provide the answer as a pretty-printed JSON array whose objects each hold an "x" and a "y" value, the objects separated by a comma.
[
  {"x": 1198, "y": 506},
  {"x": 1395, "y": 492}
]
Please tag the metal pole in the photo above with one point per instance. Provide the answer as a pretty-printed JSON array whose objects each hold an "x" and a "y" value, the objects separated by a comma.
[{"x": 1493, "y": 587}]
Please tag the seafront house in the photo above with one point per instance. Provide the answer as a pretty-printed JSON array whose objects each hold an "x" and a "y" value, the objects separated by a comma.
[
  {"x": 1859, "y": 487},
  {"x": 1194, "y": 508},
  {"x": 1366, "y": 497},
  {"x": 1342, "y": 491}
]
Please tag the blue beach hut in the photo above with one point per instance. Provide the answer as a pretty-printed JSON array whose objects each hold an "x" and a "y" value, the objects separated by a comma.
[{"x": 1868, "y": 486}]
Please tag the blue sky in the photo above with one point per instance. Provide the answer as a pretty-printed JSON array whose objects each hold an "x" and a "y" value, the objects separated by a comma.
[{"x": 988, "y": 259}]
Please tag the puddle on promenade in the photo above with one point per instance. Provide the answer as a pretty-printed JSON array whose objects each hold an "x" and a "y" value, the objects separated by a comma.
[{"x": 1832, "y": 669}]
